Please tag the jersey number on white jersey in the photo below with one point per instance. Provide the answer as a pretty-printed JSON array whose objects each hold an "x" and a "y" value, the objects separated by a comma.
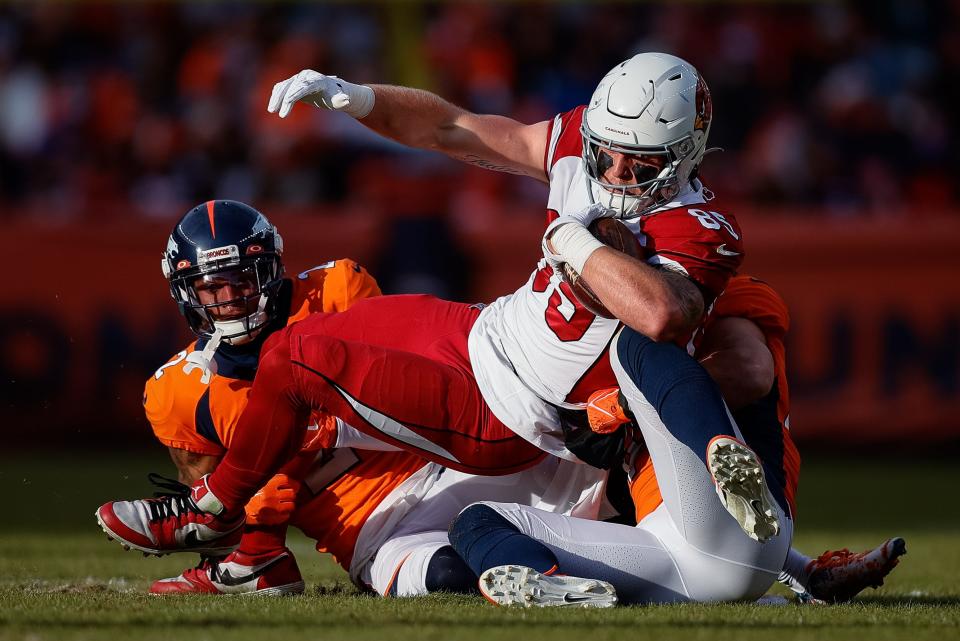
[{"x": 565, "y": 316}]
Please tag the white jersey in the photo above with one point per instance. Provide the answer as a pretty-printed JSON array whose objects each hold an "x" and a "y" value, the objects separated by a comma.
[{"x": 539, "y": 348}]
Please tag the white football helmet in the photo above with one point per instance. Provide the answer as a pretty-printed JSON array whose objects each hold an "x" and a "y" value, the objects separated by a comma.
[{"x": 655, "y": 110}]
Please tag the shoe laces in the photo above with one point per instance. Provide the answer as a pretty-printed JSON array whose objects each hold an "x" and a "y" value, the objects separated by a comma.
[
  {"x": 172, "y": 499},
  {"x": 206, "y": 564},
  {"x": 834, "y": 558}
]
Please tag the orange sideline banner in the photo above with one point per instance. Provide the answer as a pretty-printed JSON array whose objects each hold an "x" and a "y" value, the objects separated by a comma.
[{"x": 874, "y": 351}]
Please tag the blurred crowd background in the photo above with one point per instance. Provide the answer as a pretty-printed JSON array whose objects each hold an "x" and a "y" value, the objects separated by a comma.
[
  {"x": 843, "y": 108},
  {"x": 840, "y": 160}
]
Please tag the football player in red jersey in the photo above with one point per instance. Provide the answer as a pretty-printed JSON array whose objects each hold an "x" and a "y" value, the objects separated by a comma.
[{"x": 482, "y": 390}]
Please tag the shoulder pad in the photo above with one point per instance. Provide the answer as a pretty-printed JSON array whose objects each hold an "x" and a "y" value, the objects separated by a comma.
[{"x": 305, "y": 275}]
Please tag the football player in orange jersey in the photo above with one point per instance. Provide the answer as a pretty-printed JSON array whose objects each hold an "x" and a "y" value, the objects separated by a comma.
[
  {"x": 478, "y": 390},
  {"x": 223, "y": 263}
]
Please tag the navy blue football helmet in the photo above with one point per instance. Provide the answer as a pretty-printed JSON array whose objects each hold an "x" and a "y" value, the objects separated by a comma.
[{"x": 223, "y": 262}]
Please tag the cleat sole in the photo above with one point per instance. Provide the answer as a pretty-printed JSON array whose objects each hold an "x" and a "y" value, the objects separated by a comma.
[
  {"x": 508, "y": 585},
  {"x": 742, "y": 488}
]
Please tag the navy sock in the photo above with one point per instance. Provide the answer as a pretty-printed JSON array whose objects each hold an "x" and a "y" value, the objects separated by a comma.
[
  {"x": 447, "y": 572},
  {"x": 484, "y": 539},
  {"x": 678, "y": 387}
]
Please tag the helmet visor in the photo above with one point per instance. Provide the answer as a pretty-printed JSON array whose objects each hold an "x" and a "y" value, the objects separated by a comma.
[
  {"x": 635, "y": 177},
  {"x": 628, "y": 172}
]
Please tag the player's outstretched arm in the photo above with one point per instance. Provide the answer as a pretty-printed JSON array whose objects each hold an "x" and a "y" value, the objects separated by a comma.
[
  {"x": 735, "y": 353},
  {"x": 422, "y": 120}
]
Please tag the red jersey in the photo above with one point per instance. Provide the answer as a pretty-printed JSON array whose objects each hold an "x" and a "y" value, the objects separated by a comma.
[
  {"x": 189, "y": 414},
  {"x": 540, "y": 344}
]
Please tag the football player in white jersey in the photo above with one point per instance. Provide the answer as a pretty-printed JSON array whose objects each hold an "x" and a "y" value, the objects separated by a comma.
[
  {"x": 592, "y": 154},
  {"x": 461, "y": 386}
]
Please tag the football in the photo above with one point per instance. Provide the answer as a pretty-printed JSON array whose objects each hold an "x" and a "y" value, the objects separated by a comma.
[{"x": 612, "y": 233}]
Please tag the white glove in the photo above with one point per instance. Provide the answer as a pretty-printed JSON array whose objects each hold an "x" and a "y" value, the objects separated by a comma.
[
  {"x": 323, "y": 92},
  {"x": 591, "y": 212},
  {"x": 571, "y": 239}
]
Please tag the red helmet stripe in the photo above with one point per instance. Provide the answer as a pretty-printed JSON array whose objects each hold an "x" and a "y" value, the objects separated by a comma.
[{"x": 213, "y": 227}]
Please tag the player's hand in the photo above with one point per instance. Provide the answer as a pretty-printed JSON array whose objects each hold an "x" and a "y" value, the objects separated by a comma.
[
  {"x": 553, "y": 259},
  {"x": 591, "y": 212},
  {"x": 323, "y": 92},
  {"x": 275, "y": 502},
  {"x": 582, "y": 218}
]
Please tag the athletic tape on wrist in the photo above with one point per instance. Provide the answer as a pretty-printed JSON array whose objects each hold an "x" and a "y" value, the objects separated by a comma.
[
  {"x": 575, "y": 243},
  {"x": 362, "y": 99}
]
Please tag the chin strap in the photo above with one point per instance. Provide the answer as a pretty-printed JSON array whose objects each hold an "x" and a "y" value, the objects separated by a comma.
[
  {"x": 237, "y": 332},
  {"x": 204, "y": 360}
]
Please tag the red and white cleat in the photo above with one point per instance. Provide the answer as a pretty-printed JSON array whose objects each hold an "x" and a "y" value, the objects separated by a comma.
[
  {"x": 170, "y": 522},
  {"x": 838, "y": 576},
  {"x": 273, "y": 573}
]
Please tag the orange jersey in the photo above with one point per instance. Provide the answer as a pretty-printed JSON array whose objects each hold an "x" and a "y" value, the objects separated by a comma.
[
  {"x": 339, "y": 488},
  {"x": 189, "y": 414},
  {"x": 343, "y": 488},
  {"x": 764, "y": 423}
]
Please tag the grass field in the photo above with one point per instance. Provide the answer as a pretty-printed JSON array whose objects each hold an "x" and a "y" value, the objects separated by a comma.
[{"x": 61, "y": 579}]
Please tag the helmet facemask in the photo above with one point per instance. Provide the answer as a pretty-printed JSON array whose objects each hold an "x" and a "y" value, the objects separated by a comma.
[
  {"x": 660, "y": 172},
  {"x": 237, "y": 298}
]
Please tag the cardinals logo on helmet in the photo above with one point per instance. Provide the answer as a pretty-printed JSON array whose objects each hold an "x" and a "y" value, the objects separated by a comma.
[{"x": 704, "y": 106}]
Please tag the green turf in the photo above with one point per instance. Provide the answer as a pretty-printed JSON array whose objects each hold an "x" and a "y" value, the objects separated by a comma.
[{"x": 61, "y": 579}]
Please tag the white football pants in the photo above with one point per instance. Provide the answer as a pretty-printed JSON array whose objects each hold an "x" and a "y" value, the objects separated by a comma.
[{"x": 688, "y": 549}]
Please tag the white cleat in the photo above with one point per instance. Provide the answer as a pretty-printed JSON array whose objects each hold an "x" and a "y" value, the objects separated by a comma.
[
  {"x": 742, "y": 487},
  {"x": 523, "y": 586}
]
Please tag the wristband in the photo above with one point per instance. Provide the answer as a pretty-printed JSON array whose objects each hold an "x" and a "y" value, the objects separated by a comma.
[
  {"x": 574, "y": 243},
  {"x": 359, "y": 99}
]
